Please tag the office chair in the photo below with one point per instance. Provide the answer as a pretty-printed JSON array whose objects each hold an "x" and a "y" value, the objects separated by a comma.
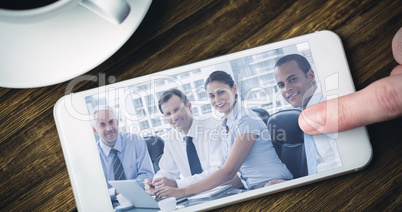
[
  {"x": 288, "y": 140},
  {"x": 155, "y": 146},
  {"x": 263, "y": 114}
]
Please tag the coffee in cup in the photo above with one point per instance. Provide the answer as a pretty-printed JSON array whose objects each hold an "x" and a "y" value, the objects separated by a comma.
[{"x": 24, "y": 4}]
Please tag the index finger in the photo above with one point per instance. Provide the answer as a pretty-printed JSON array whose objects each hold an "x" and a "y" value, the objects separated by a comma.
[
  {"x": 380, "y": 101},
  {"x": 156, "y": 180},
  {"x": 397, "y": 46}
]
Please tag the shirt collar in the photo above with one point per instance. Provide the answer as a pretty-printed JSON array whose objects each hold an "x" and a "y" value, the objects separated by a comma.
[
  {"x": 316, "y": 98},
  {"x": 232, "y": 116},
  {"x": 118, "y": 146},
  {"x": 191, "y": 130},
  {"x": 177, "y": 134}
]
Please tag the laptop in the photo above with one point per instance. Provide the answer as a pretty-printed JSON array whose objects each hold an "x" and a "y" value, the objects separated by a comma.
[{"x": 136, "y": 195}]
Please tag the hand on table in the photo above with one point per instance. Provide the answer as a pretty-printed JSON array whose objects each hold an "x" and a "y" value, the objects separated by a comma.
[
  {"x": 166, "y": 192},
  {"x": 273, "y": 182},
  {"x": 164, "y": 181},
  {"x": 152, "y": 187},
  {"x": 380, "y": 101},
  {"x": 149, "y": 188}
]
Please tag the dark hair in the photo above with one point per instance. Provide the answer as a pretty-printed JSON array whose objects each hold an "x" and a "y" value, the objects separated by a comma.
[
  {"x": 301, "y": 61},
  {"x": 168, "y": 94},
  {"x": 219, "y": 76}
]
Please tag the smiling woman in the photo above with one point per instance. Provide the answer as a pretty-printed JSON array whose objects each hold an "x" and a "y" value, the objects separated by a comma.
[
  {"x": 222, "y": 92},
  {"x": 250, "y": 158},
  {"x": 242, "y": 124}
]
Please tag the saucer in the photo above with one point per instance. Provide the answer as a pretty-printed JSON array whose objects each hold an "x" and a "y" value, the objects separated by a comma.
[{"x": 70, "y": 44}]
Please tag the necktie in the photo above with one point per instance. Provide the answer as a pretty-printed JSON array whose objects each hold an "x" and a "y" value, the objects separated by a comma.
[
  {"x": 117, "y": 167},
  {"x": 192, "y": 156}
]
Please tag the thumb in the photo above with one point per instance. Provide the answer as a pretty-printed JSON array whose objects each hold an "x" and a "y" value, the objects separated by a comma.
[
  {"x": 397, "y": 46},
  {"x": 380, "y": 101}
]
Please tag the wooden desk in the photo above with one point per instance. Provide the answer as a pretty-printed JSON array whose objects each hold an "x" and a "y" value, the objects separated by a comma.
[{"x": 33, "y": 174}]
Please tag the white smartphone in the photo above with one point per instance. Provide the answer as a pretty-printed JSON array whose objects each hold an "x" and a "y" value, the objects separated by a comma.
[{"x": 256, "y": 72}]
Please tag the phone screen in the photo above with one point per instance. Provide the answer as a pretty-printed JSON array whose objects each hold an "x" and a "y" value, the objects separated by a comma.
[{"x": 276, "y": 85}]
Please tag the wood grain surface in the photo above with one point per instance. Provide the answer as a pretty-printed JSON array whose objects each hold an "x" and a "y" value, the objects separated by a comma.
[{"x": 33, "y": 174}]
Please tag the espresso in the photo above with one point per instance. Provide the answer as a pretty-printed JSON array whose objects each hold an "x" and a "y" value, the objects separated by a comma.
[{"x": 24, "y": 4}]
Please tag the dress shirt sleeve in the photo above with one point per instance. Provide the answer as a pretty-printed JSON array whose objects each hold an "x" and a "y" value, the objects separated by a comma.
[
  {"x": 144, "y": 163},
  {"x": 167, "y": 165},
  {"x": 249, "y": 125}
]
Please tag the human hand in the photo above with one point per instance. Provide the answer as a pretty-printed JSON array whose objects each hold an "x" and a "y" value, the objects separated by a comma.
[
  {"x": 273, "y": 182},
  {"x": 380, "y": 101},
  {"x": 166, "y": 192},
  {"x": 149, "y": 188},
  {"x": 164, "y": 181}
]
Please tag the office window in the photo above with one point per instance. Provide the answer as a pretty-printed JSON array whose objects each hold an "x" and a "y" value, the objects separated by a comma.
[
  {"x": 102, "y": 100},
  {"x": 185, "y": 74},
  {"x": 264, "y": 65},
  {"x": 156, "y": 122},
  {"x": 194, "y": 111},
  {"x": 149, "y": 99},
  {"x": 201, "y": 95},
  {"x": 159, "y": 94},
  {"x": 199, "y": 83},
  {"x": 138, "y": 106},
  {"x": 267, "y": 55},
  {"x": 144, "y": 125},
  {"x": 144, "y": 87},
  {"x": 140, "y": 113},
  {"x": 161, "y": 82},
  {"x": 206, "y": 109},
  {"x": 191, "y": 97},
  {"x": 269, "y": 78},
  {"x": 153, "y": 109},
  {"x": 182, "y": 75},
  {"x": 252, "y": 96},
  {"x": 137, "y": 103},
  {"x": 187, "y": 87},
  {"x": 247, "y": 85},
  {"x": 249, "y": 71}
]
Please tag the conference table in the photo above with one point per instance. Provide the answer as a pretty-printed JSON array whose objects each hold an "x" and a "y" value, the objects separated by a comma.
[{"x": 33, "y": 173}]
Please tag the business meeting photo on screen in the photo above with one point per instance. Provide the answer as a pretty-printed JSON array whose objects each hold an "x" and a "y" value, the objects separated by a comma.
[{"x": 214, "y": 131}]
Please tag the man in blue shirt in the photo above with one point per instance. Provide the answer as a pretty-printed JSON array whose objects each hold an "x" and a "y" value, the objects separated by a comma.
[{"x": 124, "y": 156}]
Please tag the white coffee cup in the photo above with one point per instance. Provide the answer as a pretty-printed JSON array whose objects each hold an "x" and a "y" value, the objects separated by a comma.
[
  {"x": 168, "y": 204},
  {"x": 114, "y": 11}
]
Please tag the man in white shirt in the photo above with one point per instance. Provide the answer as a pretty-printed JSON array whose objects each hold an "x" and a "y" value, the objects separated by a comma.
[
  {"x": 181, "y": 165},
  {"x": 296, "y": 81}
]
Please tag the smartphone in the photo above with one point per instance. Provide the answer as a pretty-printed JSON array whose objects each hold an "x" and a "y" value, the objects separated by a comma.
[{"x": 265, "y": 84}]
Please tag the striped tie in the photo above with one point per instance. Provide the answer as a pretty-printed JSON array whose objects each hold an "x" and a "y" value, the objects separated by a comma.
[{"x": 117, "y": 167}]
